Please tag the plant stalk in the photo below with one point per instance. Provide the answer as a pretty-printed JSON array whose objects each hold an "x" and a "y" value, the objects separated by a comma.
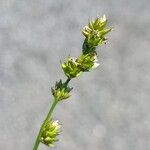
[
  {"x": 37, "y": 142},
  {"x": 67, "y": 81}
]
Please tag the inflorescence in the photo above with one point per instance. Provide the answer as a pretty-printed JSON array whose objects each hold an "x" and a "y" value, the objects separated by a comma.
[{"x": 95, "y": 34}]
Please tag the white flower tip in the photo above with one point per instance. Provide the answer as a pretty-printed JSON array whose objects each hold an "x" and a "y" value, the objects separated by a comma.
[
  {"x": 95, "y": 65},
  {"x": 104, "y": 18}
]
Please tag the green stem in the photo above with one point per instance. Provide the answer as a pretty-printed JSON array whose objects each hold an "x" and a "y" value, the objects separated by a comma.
[
  {"x": 37, "y": 142},
  {"x": 67, "y": 81}
]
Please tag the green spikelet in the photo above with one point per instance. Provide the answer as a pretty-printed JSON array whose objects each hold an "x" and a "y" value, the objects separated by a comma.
[
  {"x": 70, "y": 68},
  {"x": 61, "y": 91},
  {"x": 95, "y": 33},
  {"x": 50, "y": 132},
  {"x": 86, "y": 62}
]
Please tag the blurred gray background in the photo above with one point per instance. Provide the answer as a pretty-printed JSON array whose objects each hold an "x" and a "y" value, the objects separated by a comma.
[{"x": 109, "y": 108}]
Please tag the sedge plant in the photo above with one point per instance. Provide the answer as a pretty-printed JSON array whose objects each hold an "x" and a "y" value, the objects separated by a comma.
[{"x": 95, "y": 34}]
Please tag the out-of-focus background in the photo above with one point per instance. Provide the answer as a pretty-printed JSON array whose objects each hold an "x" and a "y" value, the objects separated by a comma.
[{"x": 109, "y": 108}]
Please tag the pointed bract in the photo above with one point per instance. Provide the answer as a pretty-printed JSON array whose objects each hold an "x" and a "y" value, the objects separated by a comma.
[{"x": 61, "y": 91}]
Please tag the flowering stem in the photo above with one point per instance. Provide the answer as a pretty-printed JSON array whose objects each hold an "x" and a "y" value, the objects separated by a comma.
[
  {"x": 37, "y": 142},
  {"x": 94, "y": 34},
  {"x": 67, "y": 81}
]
